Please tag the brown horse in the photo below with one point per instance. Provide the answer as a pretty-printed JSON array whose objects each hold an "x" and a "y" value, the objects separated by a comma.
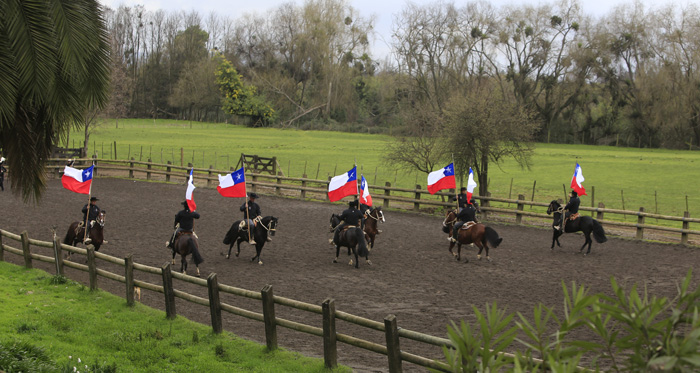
[
  {"x": 76, "y": 232},
  {"x": 478, "y": 234},
  {"x": 187, "y": 243},
  {"x": 372, "y": 217}
]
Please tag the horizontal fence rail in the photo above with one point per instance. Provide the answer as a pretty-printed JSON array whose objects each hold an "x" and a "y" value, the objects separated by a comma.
[
  {"x": 417, "y": 199},
  {"x": 393, "y": 333}
]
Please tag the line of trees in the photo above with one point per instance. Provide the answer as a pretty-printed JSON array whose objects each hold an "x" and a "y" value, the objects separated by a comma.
[{"x": 629, "y": 78}]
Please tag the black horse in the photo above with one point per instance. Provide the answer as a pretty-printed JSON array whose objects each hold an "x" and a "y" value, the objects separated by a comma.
[
  {"x": 263, "y": 229},
  {"x": 585, "y": 224},
  {"x": 354, "y": 239},
  {"x": 185, "y": 244}
]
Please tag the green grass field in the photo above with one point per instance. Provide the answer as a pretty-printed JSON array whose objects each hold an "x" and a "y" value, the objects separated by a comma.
[
  {"x": 658, "y": 180},
  {"x": 69, "y": 322}
]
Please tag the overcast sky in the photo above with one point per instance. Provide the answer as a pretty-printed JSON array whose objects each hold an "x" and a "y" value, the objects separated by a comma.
[{"x": 383, "y": 10}]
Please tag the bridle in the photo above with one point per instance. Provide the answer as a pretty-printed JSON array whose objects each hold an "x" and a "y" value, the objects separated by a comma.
[
  {"x": 380, "y": 214},
  {"x": 101, "y": 219},
  {"x": 445, "y": 222},
  {"x": 331, "y": 224},
  {"x": 269, "y": 228}
]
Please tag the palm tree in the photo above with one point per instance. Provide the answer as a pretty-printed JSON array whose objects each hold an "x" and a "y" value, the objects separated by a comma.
[{"x": 54, "y": 59}]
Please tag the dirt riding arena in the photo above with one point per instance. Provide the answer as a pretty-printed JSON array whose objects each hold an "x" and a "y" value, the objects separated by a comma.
[{"x": 412, "y": 274}]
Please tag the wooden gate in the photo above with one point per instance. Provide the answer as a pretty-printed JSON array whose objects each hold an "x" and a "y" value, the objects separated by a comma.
[{"x": 257, "y": 164}]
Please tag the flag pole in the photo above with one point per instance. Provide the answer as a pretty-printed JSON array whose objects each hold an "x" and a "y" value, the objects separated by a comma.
[
  {"x": 357, "y": 186},
  {"x": 87, "y": 214},
  {"x": 456, "y": 192},
  {"x": 247, "y": 216}
]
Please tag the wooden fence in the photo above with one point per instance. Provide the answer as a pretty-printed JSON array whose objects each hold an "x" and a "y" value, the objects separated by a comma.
[
  {"x": 417, "y": 199},
  {"x": 395, "y": 355}
]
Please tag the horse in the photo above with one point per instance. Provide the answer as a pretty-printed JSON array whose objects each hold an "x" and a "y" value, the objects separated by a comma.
[
  {"x": 185, "y": 244},
  {"x": 264, "y": 228},
  {"x": 585, "y": 224},
  {"x": 354, "y": 239},
  {"x": 371, "y": 218},
  {"x": 76, "y": 233},
  {"x": 477, "y": 233}
]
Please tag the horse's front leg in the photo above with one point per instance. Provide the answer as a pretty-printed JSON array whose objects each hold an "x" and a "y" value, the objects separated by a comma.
[
  {"x": 337, "y": 254},
  {"x": 238, "y": 250},
  {"x": 230, "y": 247},
  {"x": 452, "y": 244},
  {"x": 258, "y": 249},
  {"x": 459, "y": 251},
  {"x": 174, "y": 253}
]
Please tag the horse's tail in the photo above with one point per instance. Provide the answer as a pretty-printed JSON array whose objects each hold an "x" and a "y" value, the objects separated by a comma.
[
  {"x": 492, "y": 237},
  {"x": 361, "y": 243},
  {"x": 598, "y": 232},
  {"x": 194, "y": 246},
  {"x": 231, "y": 234}
]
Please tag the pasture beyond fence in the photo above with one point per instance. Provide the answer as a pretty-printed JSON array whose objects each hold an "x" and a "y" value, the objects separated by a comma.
[
  {"x": 389, "y": 326},
  {"x": 417, "y": 199}
]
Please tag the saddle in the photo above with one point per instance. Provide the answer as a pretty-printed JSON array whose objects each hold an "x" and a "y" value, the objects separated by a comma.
[
  {"x": 573, "y": 217},
  {"x": 468, "y": 225},
  {"x": 348, "y": 227},
  {"x": 185, "y": 232},
  {"x": 81, "y": 224}
]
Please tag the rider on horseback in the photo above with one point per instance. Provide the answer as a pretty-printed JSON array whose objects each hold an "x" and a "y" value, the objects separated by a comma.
[
  {"x": 252, "y": 215},
  {"x": 466, "y": 215},
  {"x": 461, "y": 199},
  {"x": 570, "y": 209},
  {"x": 351, "y": 216},
  {"x": 90, "y": 213},
  {"x": 184, "y": 221}
]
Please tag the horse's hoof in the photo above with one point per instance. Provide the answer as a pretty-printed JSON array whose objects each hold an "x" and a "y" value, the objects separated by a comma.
[
  {"x": 351, "y": 262},
  {"x": 488, "y": 258},
  {"x": 173, "y": 262},
  {"x": 228, "y": 256},
  {"x": 260, "y": 262},
  {"x": 335, "y": 260},
  {"x": 478, "y": 256},
  {"x": 198, "y": 274},
  {"x": 369, "y": 262},
  {"x": 237, "y": 255}
]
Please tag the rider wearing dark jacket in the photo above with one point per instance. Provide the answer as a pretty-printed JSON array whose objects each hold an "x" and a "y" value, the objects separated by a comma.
[
  {"x": 184, "y": 221},
  {"x": 91, "y": 213},
  {"x": 466, "y": 215},
  {"x": 461, "y": 198},
  {"x": 570, "y": 208},
  {"x": 351, "y": 216}
]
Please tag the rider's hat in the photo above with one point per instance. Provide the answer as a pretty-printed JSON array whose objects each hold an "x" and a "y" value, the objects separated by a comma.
[
  {"x": 185, "y": 204},
  {"x": 252, "y": 195},
  {"x": 352, "y": 203},
  {"x": 92, "y": 199},
  {"x": 574, "y": 194},
  {"x": 462, "y": 189}
]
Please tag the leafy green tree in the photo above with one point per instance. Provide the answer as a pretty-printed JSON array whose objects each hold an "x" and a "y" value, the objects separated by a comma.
[
  {"x": 241, "y": 99},
  {"x": 54, "y": 58}
]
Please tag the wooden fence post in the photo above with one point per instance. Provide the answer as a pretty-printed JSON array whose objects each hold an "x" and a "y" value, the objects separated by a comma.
[
  {"x": 2, "y": 251},
  {"x": 211, "y": 168},
  {"x": 330, "y": 349},
  {"x": 328, "y": 184},
  {"x": 684, "y": 235},
  {"x": 416, "y": 205},
  {"x": 278, "y": 190},
  {"x": 167, "y": 172},
  {"x": 58, "y": 256},
  {"x": 599, "y": 214},
  {"x": 521, "y": 206},
  {"x": 392, "y": 344},
  {"x": 640, "y": 221},
  {"x": 25, "y": 250},
  {"x": 592, "y": 199},
  {"x": 214, "y": 303},
  {"x": 255, "y": 183},
  {"x": 168, "y": 291},
  {"x": 387, "y": 193},
  {"x": 131, "y": 168},
  {"x": 92, "y": 268},
  {"x": 150, "y": 166},
  {"x": 129, "y": 279},
  {"x": 303, "y": 185},
  {"x": 269, "y": 315},
  {"x": 94, "y": 162}
]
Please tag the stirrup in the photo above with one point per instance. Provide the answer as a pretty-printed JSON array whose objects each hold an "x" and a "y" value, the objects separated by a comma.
[
  {"x": 556, "y": 227},
  {"x": 87, "y": 241},
  {"x": 252, "y": 242},
  {"x": 241, "y": 225}
]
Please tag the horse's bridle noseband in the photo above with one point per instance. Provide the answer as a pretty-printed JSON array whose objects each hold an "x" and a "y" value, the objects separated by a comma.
[{"x": 445, "y": 222}]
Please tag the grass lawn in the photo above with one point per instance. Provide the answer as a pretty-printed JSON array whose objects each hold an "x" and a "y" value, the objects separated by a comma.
[
  {"x": 659, "y": 180},
  {"x": 69, "y": 322}
]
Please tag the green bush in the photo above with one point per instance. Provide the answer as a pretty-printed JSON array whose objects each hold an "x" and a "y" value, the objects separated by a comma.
[
  {"x": 633, "y": 332},
  {"x": 24, "y": 357}
]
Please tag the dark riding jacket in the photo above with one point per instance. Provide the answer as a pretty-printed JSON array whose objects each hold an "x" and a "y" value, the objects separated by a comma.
[
  {"x": 461, "y": 200},
  {"x": 93, "y": 214},
  {"x": 572, "y": 206},
  {"x": 467, "y": 214},
  {"x": 352, "y": 216},
  {"x": 253, "y": 210},
  {"x": 186, "y": 219}
]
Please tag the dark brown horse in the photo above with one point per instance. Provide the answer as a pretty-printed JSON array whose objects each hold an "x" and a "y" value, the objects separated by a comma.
[
  {"x": 186, "y": 243},
  {"x": 352, "y": 238},
  {"x": 76, "y": 235},
  {"x": 372, "y": 217},
  {"x": 264, "y": 228},
  {"x": 478, "y": 234}
]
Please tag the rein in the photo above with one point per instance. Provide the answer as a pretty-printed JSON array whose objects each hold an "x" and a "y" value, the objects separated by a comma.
[
  {"x": 445, "y": 222},
  {"x": 268, "y": 226}
]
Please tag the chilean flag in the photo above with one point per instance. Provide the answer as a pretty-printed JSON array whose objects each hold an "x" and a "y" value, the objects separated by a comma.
[
  {"x": 233, "y": 184},
  {"x": 76, "y": 180},
  {"x": 343, "y": 185},
  {"x": 188, "y": 194},
  {"x": 471, "y": 184},
  {"x": 577, "y": 180},
  {"x": 443, "y": 178},
  {"x": 364, "y": 192}
]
